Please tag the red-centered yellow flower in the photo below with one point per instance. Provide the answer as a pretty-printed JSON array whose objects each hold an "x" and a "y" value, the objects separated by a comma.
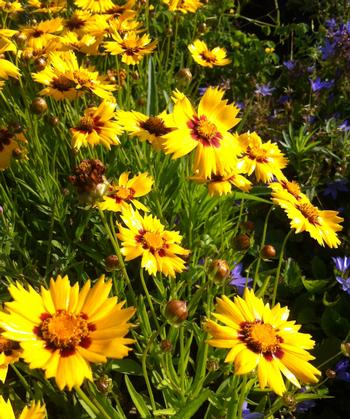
[
  {"x": 7, "y": 69},
  {"x": 10, "y": 352},
  {"x": 96, "y": 6},
  {"x": 131, "y": 47},
  {"x": 97, "y": 126},
  {"x": 35, "y": 411},
  {"x": 206, "y": 57},
  {"x": 184, "y": 6},
  {"x": 40, "y": 34},
  {"x": 53, "y": 6},
  {"x": 8, "y": 143},
  {"x": 77, "y": 22},
  {"x": 66, "y": 329},
  {"x": 120, "y": 196},
  {"x": 146, "y": 237},
  {"x": 322, "y": 225},
  {"x": 207, "y": 131},
  {"x": 288, "y": 190},
  {"x": 65, "y": 79},
  {"x": 124, "y": 11},
  {"x": 222, "y": 184},
  {"x": 86, "y": 44},
  {"x": 146, "y": 128},
  {"x": 11, "y": 7},
  {"x": 264, "y": 159},
  {"x": 261, "y": 337}
]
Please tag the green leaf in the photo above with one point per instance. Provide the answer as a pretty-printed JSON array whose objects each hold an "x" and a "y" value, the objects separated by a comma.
[
  {"x": 138, "y": 400},
  {"x": 152, "y": 98},
  {"x": 191, "y": 407},
  {"x": 315, "y": 285},
  {"x": 127, "y": 366},
  {"x": 251, "y": 197}
]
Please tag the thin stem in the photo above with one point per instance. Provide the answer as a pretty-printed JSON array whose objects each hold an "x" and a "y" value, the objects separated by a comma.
[
  {"x": 242, "y": 396},
  {"x": 280, "y": 260},
  {"x": 182, "y": 360},
  {"x": 87, "y": 400},
  {"x": 263, "y": 238},
  {"x": 144, "y": 370},
  {"x": 22, "y": 379},
  {"x": 149, "y": 300},
  {"x": 232, "y": 407},
  {"x": 329, "y": 359}
]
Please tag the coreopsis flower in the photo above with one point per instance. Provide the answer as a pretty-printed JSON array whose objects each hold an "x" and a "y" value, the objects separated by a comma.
[
  {"x": 131, "y": 46},
  {"x": 287, "y": 190},
  {"x": 35, "y": 411},
  {"x": 97, "y": 126},
  {"x": 77, "y": 22},
  {"x": 8, "y": 143},
  {"x": 123, "y": 11},
  {"x": 222, "y": 184},
  {"x": 10, "y": 352},
  {"x": 65, "y": 79},
  {"x": 322, "y": 225},
  {"x": 85, "y": 43},
  {"x": 53, "y": 6},
  {"x": 146, "y": 237},
  {"x": 7, "y": 69},
  {"x": 66, "y": 329},
  {"x": 146, "y": 128},
  {"x": 120, "y": 196},
  {"x": 11, "y": 7},
  {"x": 264, "y": 159},
  {"x": 96, "y": 6},
  {"x": 261, "y": 337},
  {"x": 40, "y": 34},
  {"x": 207, "y": 131},
  {"x": 184, "y": 6},
  {"x": 206, "y": 57}
]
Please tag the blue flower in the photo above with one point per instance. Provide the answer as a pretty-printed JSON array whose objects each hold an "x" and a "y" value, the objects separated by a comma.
[
  {"x": 342, "y": 264},
  {"x": 333, "y": 188},
  {"x": 345, "y": 127},
  {"x": 290, "y": 64},
  {"x": 318, "y": 84},
  {"x": 345, "y": 283},
  {"x": 264, "y": 89},
  {"x": 247, "y": 415},
  {"x": 202, "y": 90},
  {"x": 342, "y": 369},
  {"x": 239, "y": 281}
]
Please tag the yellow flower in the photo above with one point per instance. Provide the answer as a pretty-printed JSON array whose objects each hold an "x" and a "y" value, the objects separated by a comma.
[
  {"x": 124, "y": 11},
  {"x": 183, "y": 6},
  {"x": 7, "y": 69},
  {"x": 206, "y": 57},
  {"x": 146, "y": 128},
  {"x": 146, "y": 237},
  {"x": 78, "y": 22},
  {"x": 10, "y": 6},
  {"x": 97, "y": 127},
  {"x": 222, "y": 184},
  {"x": 8, "y": 143},
  {"x": 322, "y": 225},
  {"x": 40, "y": 34},
  {"x": 10, "y": 352},
  {"x": 119, "y": 196},
  {"x": 288, "y": 191},
  {"x": 65, "y": 329},
  {"x": 85, "y": 43},
  {"x": 52, "y": 6},
  {"x": 264, "y": 159},
  {"x": 35, "y": 411},
  {"x": 131, "y": 47},
  {"x": 96, "y": 6},
  {"x": 261, "y": 337},
  {"x": 65, "y": 79},
  {"x": 207, "y": 131}
]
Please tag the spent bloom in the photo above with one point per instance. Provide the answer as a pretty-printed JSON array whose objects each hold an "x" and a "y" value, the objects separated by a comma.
[
  {"x": 67, "y": 328},
  {"x": 261, "y": 337}
]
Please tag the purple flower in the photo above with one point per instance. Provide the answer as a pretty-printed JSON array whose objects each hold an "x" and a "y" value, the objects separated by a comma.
[
  {"x": 345, "y": 283},
  {"x": 239, "y": 281},
  {"x": 240, "y": 105},
  {"x": 333, "y": 188},
  {"x": 342, "y": 264},
  {"x": 202, "y": 90},
  {"x": 342, "y": 369},
  {"x": 247, "y": 415},
  {"x": 345, "y": 127},
  {"x": 283, "y": 99},
  {"x": 264, "y": 89},
  {"x": 290, "y": 64},
  {"x": 318, "y": 84},
  {"x": 328, "y": 49}
]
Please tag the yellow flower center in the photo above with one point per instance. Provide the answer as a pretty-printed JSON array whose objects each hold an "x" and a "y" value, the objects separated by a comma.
[
  {"x": 257, "y": 153},
  {"x": 208, "y": 56},
  {"x": 292, "y": 187},
  {"x": 310, "y": 212},
  {"x": 65, "y": 331},
  {"x": 153, "y": 240},
  {"x": 155, "y": 126},
  {"x": 204, "y": 131},
  {"x": 261, "y": 338}
]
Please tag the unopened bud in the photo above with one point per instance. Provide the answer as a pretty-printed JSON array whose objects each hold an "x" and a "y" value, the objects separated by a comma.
[
  {"x": 39, "y": 105},
  {"x": 135, "y": 75},
  {"x": 104, "y": 384},
  {"x": 268, "y": 251},
  {"x": 213, "y": 365},
  {"x": 40, "y": 63},
  {"x": 20, "y": 39},
  {"x": 166, "y": 346},
  {"x": 331, "y": 374},
  {"x": 242, "y": 242},
  {"x": 112, "y": 263},
  {"x": 289, "y": 400},
  {"x": 248, "y": 226},
  {"x": 53, "y": 121},
  {"x": 345, "y": 348},
  {"x": 176, "y": 312},
  {"x": 220, "y": 269},
  {"x": 202, "y": 28},
  {"x": 184, "y": 75}
]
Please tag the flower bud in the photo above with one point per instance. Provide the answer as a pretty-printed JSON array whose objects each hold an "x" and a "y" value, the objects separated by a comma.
[
  {"x": 183, "y": 76},
  {"x": 20, "y": 39},
  {"x": 345, "y": 348},
  {"x": 248, "y": 226},
  {"x": 202, "y": 28},
  {"x": 39, "y": 105},
  {"x": 289, "y": 400},
  {"x": 220, "y": 269},
  {"x": 112, "y": 263},
  {"x": 331, "y": 374},
  {"x": 166, "y": 346},
  {"x": 40, "y": 63},
  {"x": 176, "y": 312},
  {"x": 268, "y": 251},
  {"x": 53, "y": 121},
  {"x": 242, "y": 242},
  {"x": 104, "y": 384},
  {"x": 213, "y": 365}
]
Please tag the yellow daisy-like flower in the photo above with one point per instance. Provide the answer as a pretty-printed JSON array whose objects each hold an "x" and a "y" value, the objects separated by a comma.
[
  {"x": 206, "y": 57},
  {"x": 35, "y": 411},
  {"x": 40, "y": 34},
  {"x": 288, "y": 190},
  {"x": 146, "y": 128},
  {"x": 66, "y": 329},
  {"x": 97, "y": 126},
  {"x": 10, "y": 6},
  {"x": 65, "y": 79},
  {"x": 222, "y": 184},
  {"x": 8, "y": 143},
  {"x": 96, "y": 6},
  {"x": 261, "y": 337},
  {"x": 207, "y": 131},
  {"x": 124, "y": 11},
  {"x": 53, "y": 6},
  {"x": 7, "y": 69},
  {"x": 119, "y": 196},
  {"x": 184, "y": 6},
  {"x": 131, "y": 47},
  {"x": 264, "y": 159},
  {"x": 322, "y": 225},
  {"x": 146, "y": 237},
  {"x": 10, "y": 352}
]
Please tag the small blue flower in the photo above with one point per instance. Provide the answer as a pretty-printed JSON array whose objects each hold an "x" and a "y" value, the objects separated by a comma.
[
  {"x": 290, "y": 65},
  {"x": 342, "y": 369},
  {"x": 333, "y": 188},
  {"x": 318, "y": 84},
  {"x": 247, "y": 415},
  {"x": 240, "y": 105},
  {"x": 342, "y": 264},
  {"x": 345, "y": 283},
  {"x": 345, "y": 127},
  {"x": 264, "y": 89},
  {"x": 239, "y": 281},
  {"x": 202, "y": 90}
]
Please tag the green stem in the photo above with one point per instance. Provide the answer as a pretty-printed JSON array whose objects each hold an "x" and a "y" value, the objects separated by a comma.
[
  {"x": 144, "y": 370},
  {"x": 232, "y": 407},
  {"x": 182, "y": 360},
  {"x": 22, "y": 379},
  {"x": 87, "y": 400},
  {"x": 280, "y": 260},
  {"x": 263, "y": 238},
  {"x": 150, "y": 303},
  {"x": 329, "y": 359},
  {"x": 242, "y": 397}
]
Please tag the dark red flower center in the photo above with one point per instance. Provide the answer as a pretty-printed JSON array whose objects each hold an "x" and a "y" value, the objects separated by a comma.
[{"x": 204, "y": 131}]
